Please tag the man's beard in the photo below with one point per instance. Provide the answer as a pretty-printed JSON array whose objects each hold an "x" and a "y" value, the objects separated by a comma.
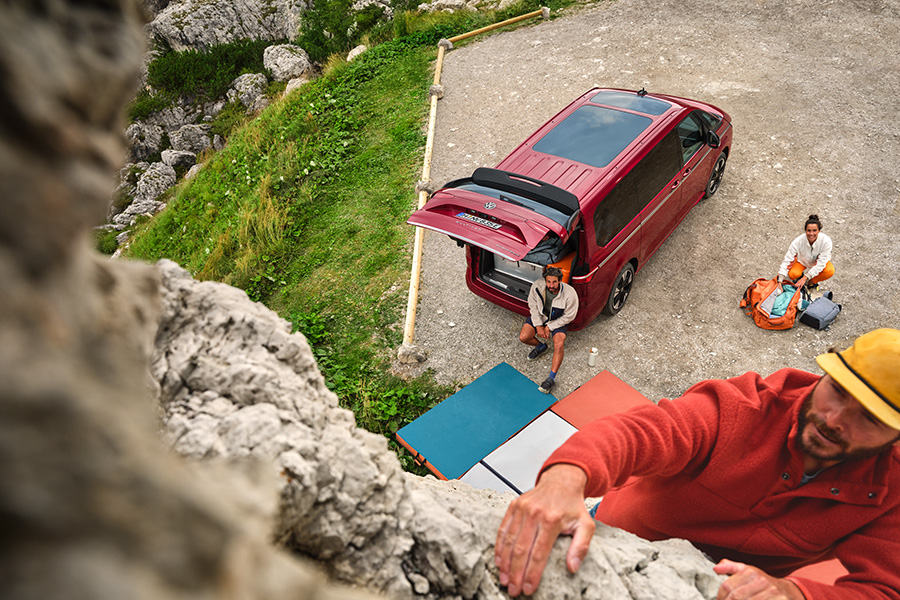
[{"x": 818, "y": 452}]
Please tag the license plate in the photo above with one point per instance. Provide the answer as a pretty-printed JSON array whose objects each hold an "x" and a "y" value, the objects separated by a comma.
[{"x": 478, "y": 220}]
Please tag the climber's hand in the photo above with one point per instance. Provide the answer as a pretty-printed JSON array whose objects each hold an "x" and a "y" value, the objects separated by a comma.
[
  {"x": 532, "y": 523},
  {"x": 750, "y": 582}
]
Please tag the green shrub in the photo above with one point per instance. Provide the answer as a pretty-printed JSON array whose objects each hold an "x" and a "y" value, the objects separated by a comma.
[
  {"x": 146, "y": 104},
  {"x": 105, "y": 240},
  {"x": 205, "y": 75},
  {"x": 326, "y": 28}
]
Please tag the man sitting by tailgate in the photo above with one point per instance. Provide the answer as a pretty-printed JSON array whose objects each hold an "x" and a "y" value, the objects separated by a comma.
[{"x": 552, "y": 304}]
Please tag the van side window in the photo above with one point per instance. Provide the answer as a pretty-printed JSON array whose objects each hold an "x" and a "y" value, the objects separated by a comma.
[
  {"x": 691, "y": 133},
  {"x": 712, "y": 122},
  {"x": 638, "y": 188}
]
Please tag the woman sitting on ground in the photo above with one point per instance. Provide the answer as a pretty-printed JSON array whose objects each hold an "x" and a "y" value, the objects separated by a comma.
[{"x": 808, "y": 259}]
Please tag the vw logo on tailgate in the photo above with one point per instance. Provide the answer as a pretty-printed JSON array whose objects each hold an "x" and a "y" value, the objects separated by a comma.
[
  {"x": 478, "y": 220},
  {"x": 490, "y": 206}
]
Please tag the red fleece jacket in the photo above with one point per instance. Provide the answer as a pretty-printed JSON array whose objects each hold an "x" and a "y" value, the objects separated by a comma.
[{"x": 720, "y": 467}]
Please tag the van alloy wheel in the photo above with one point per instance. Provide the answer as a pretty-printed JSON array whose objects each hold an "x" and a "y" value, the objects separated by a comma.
[
  {"x": 715, "y": 177},
  {"x": 620, "y": 290}
]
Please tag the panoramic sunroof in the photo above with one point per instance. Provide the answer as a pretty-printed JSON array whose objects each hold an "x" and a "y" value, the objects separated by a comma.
[
  {"x": 593, "y": 135},
  {"x": 644, "y": 104}
]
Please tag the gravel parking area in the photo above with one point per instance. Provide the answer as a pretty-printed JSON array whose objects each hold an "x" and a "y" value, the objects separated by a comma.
[{"x": 811, "y": 87}]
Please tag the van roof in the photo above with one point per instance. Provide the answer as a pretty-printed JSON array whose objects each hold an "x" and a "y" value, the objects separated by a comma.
[{"x": 587, "y": 139}]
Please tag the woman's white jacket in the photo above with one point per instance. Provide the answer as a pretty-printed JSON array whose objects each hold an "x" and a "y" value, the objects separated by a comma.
[{"x": 812, "y": 256}]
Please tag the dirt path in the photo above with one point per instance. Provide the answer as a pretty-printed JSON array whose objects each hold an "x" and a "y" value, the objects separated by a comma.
[{"x": 810, "y": 86}]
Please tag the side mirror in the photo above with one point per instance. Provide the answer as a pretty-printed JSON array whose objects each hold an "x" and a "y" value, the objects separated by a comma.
[{"x": 712, "y": 140}]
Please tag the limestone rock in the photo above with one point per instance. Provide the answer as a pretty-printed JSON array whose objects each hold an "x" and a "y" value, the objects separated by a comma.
[
  {"x": 247, "y": 89},
  {"x": 199, "y": 24},
  {"x": 179, "y": 158},
  {"x": 179, "y": 114},
  {"x": 151, "y": 184},
  {"x": 286, "y": 61},
  {"x": 126, "y": 187},
  {"x": 191, "y": 138},
  {"x": 384, "y": 5},
  {"x": 192, "y": 172},
  {"x": 356, "y": 52},
  {"x": 446, "y": 6},
  {"x": 294, "y": 84},
  {"x": 144, "y": 141},
  {"x": 155, "y": 180}
]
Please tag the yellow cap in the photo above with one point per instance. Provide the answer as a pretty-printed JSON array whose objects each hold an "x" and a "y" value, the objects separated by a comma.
[{"x": 870, "y": 371}]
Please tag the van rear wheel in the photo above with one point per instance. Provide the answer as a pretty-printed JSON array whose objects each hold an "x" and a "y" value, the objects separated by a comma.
[
  {"x": 620, "y": 290},
  {"x": 715, "y": 177}
]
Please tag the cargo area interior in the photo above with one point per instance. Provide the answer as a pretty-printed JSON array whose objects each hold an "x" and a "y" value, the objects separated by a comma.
[{"x": 515, "y": 277}]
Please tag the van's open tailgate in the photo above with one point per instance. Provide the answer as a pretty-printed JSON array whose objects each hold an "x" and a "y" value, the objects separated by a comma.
[{"x": 497, "y": 226}]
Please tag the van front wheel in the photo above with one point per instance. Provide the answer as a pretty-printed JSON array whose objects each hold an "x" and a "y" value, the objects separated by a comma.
[
  {"x": 715, "y": 177},
  {"x": 620, "y": 290}
]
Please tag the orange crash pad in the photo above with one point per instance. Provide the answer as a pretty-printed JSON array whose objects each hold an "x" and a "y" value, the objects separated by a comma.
[{"x": 602, "y": 395}]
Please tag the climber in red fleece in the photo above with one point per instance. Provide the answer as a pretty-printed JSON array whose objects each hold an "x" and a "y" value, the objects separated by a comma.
[{"x": 764, "y": 474}]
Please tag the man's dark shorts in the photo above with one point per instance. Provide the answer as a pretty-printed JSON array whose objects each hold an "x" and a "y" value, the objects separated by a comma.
[{"x": 555, "y": 313}]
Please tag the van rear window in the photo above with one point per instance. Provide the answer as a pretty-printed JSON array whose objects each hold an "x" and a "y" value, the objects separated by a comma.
[{"x": 593, "y": 135}]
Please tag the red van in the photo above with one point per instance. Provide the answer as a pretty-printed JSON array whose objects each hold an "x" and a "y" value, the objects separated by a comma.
[{"x": 595, "y": 191}]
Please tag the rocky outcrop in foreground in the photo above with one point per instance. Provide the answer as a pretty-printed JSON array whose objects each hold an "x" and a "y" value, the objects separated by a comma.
[{"x": 234, "y": 382}]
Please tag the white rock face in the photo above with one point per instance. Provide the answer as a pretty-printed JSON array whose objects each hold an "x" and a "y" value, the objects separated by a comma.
[
  {"x": 294, "y": 84},
  {"x": 384, "y": 5},
  {"x": 286, "y": 62},
  {"x": 446, "y": 6},
  {"x": 179, "y": 158},
  {"x": 200, "y": 24},
  {"x": 191, "y": 138},
  {"x": 356, "y": 52},
  {"x": 247, "y": 89},
  {"x": 151, "y": 184},
  {"x": 144, "y": 140},
  {"x": 94, "y": 505}
]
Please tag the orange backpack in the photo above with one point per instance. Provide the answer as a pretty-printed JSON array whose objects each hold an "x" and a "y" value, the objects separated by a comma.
[{"x": 757, "y": 302}]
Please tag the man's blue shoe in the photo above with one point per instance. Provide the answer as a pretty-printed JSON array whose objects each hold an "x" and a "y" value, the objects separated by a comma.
[
  {"x": 537, "y": 351},
  {"x": 547, "y": 385}
]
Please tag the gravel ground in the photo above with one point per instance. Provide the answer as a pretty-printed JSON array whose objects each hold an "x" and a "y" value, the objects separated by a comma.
[{"x": 810, "y": 86}]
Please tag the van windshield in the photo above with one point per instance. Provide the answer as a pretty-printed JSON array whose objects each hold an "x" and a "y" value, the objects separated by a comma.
[
  {"x": 631, "y": 101},
  {"x": 542, "y": 209},
  {"x": 593, "y": 135}
]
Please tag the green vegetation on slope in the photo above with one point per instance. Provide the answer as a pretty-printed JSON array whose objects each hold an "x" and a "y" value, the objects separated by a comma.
[{"x": 305, "y": 209}]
